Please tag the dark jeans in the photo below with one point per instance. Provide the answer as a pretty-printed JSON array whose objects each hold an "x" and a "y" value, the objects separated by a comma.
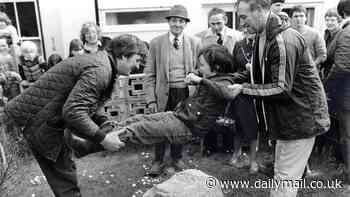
[
  {"x": 176, "y": 95},
  {"x": 163, "y": 127},
  {"x": 61, "y": 174},
  {"x": 338, "y": 91}
]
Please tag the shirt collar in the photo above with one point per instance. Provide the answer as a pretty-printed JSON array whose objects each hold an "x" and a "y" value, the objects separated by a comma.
[
  {"x": 345, "y": 22},
  {"x": 180, "y": 37},
  {"x": 210, "y": 32}
]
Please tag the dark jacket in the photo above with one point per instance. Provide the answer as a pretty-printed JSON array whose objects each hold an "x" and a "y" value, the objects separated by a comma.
[
  {"x": 69, "y": 95},
  {"x": 200, "y": 111},
  {"x": 31, "y": 70},
  {"x": 242, "y": 54},
  {"x": 339, "y": 50},
  {"x": 292, "y": 93},
  {"x": 329, "y": 38}
]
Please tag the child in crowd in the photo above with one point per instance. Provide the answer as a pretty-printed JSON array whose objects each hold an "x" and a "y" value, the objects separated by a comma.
[
  {"x": 7, "y": 61},
  {"x": 9, "y": 80},
  {"x": 7, "y": 29},
  {"x": 75, "y": 47},
  {"x": 31, "y": 65},
  {"x": 53, "y": 60}
]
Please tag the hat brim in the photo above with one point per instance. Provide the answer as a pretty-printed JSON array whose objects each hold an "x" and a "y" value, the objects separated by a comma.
[{"x": 187, "y": 19}]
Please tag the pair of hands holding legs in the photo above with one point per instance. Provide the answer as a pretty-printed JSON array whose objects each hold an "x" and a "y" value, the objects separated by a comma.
[{"x": 112, "y": 141}]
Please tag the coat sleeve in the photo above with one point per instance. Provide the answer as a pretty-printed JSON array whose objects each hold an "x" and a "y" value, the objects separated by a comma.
[
  {"x": 342, "y": 50},
  {"x": 320, "y": 49},
  {"x": 282, "y": 64},
  {"x": 81, "y": 100},
  {"x": 150, "y": 71},
  {"x": 100, "y": 116},
  {"x": 219, "y": 88}
]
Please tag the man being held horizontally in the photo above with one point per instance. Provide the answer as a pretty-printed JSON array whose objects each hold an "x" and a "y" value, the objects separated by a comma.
[{"x": 197, "y": 115}]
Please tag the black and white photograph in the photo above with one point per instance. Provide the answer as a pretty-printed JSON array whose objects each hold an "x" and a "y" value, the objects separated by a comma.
[{"x": 175, "y": 98}]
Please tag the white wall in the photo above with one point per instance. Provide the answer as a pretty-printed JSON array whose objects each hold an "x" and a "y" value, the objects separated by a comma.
[
  {"x": 196, "y": 12},
  {"x": 61, "y": 22}
]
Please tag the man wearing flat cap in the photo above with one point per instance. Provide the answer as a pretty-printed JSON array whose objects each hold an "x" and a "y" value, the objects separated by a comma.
[
  {"x": 171, "y": 57},
  {"x": 277, "y": 6}
]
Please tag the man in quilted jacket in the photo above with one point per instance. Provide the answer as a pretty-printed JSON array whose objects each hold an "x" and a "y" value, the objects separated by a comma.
[{"x": 71, "y": 95}]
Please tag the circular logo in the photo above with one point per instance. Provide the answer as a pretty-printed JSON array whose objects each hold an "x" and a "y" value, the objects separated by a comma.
[{"x": 211, "y": 182}]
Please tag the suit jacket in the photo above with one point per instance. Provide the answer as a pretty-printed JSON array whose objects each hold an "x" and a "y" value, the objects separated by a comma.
[
  {"x": 230, "y": 37},
  {"x": 157, "y": 67}
]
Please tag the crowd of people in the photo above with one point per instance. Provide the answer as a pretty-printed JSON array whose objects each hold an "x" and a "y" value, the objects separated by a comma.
[{"x": 276, "y": 79}]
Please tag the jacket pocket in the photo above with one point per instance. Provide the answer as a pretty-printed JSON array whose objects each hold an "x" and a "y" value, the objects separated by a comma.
[{"x": 47, "y": 140}]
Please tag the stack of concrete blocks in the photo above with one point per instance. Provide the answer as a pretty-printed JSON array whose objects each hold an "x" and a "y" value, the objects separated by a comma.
[{"x": 128, "y": 98}]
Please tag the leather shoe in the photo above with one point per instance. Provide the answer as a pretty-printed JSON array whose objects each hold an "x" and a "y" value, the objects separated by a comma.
[
  {"x": 178, "y": 165},
  {"x": 156, "y": 169}
]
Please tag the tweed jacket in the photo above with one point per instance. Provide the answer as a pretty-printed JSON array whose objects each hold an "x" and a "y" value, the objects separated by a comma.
[{"x": 157, "y": 67}]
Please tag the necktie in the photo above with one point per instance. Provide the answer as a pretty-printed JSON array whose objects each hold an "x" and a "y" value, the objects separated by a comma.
[
  {"x": 219, "y": 40},
  {"x": 176, "y": 43}
]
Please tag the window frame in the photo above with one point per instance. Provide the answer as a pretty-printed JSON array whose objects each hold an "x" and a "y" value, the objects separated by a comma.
[
  {"x": 127, "y": 28},
  {"x": 37, "y": 17}
]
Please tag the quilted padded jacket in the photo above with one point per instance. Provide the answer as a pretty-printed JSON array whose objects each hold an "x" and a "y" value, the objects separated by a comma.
[{"x": 69, "y": 95}]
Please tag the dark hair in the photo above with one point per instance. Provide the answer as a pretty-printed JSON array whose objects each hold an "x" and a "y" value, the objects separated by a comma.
[
  {"x": 298, "y": 8},
  {"x": 126, "y": 45},
  {"x": 85, "y": 28},
  {"x": 344, "y": 8},
  {"x": 215, "y": 11},
  {"x": 105, "y": 41},
  {"x": 53, "y": 60},
  {"x": 74, "y": 44},
  {"x": 218, "y": 58},
  {"x": 332, "y": 12},
  {"x": 256, "y": 4}
]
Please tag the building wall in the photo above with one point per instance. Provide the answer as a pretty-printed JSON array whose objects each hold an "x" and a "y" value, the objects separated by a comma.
[
  {"x": 197, "y": 10},
  {"x": 61, "y": 22}
]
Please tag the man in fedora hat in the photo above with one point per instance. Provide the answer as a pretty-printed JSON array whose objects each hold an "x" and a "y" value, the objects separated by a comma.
[{"x": 172, "y": 56}]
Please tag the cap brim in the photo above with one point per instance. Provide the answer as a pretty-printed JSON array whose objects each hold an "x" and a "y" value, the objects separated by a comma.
[{"x": 187, "y": 19}]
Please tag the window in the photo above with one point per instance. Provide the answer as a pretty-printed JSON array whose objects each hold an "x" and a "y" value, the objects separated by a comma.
[
  {"x": 138, "y": 17},
  {"x": 24, "y": 17}
]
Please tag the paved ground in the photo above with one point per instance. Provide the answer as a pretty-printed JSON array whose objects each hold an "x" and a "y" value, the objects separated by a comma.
[{"x": 123, "y": 174}]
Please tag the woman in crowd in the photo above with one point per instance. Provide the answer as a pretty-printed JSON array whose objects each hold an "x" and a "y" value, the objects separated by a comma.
[{"x": 90, "y": 35}]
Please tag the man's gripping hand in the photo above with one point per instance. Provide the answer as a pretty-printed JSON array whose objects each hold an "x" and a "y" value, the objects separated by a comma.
[{"x": 112, "y": 142}]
